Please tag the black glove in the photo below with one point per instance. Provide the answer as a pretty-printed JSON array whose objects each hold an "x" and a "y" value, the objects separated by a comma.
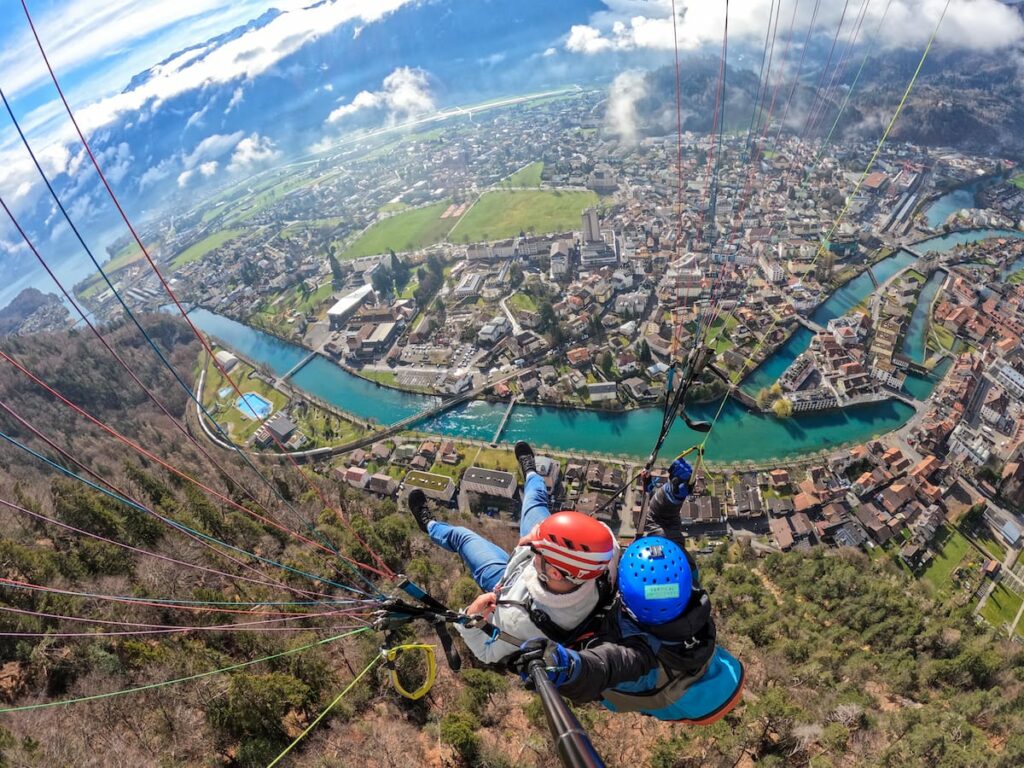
[{"x": 561, "y": 664}]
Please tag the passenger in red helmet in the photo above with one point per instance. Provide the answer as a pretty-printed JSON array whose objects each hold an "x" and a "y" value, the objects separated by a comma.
[{"x": 555, "y": 583}]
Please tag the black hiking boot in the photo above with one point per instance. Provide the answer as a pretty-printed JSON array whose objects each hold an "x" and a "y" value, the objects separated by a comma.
[
  {"x": 525, "y": 457},
  {"x": 418, "y": 507}
]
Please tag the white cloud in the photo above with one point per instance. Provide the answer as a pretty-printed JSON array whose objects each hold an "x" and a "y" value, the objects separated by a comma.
[
  {"x": 78, "y": 33},
  {"x": 183, "y": 178},
  {"x": 620, "y": 114},
  {"x": 404, "y": 94},
  {"x": 251, "y": 150},
  {"x": 550, "y": 52},
  {"x": 236, "y": 98},
  {"x": 248, "y": 56},
  {"x": 586, "y": 39},
  {"x": 212, "y": 147},
  {"x": 116, "y": 162},
  {"x": 629, "y": 25},
  {"x": 156, "y": 173},
  {"x": 208, "y": 169}
]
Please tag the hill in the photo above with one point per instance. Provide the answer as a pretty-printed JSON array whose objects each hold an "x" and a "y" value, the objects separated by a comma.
[{"x": 32, "y": 310}]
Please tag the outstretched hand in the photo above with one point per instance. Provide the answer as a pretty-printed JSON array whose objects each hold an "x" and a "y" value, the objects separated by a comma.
[
  {"x": 561, "y": 664},
  {"x": 679, "y": 474}
]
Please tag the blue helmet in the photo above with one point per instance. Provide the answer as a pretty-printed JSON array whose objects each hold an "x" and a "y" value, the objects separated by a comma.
[{"x": 655, "y": 580}]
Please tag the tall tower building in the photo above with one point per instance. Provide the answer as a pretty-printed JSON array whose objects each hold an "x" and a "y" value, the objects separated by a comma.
[{"x": 591, "y": 226}]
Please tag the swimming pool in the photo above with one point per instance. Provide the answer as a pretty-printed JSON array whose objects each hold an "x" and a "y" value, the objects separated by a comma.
[
  {"x": 254, "y": 406},
  {"x": 224, "y": 392}
]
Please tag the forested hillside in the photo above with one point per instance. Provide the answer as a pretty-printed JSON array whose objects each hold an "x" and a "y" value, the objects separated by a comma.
[{"x": 850, "y": 663}]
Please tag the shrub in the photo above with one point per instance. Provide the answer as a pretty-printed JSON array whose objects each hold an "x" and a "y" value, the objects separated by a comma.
[{"x": 459, "y": 729}]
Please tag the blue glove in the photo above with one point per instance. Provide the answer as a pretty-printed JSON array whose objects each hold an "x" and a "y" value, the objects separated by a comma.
[
  {"x": 677, "y": 488},
  {"x": 679, "y": 481},
  {"x": 562, "y": 664}
]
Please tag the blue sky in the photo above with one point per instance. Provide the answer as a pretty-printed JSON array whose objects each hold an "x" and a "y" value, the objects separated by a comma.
[{"x": 96, "y": 47}]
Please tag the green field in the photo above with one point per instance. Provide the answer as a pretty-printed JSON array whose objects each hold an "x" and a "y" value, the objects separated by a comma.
[
  {"x": 1016, "y": 278},
  {"x": 404, "y": 231},
  {"x": 498, "y": 215},
  {"x": 1018, "y": 180},
  {"x": 950, "y": 547},
  {"x": 199, "y": 250},
  {"x": 522, "y": 302},
  {"x": 129, "y": 254},
  {"x": 526, "y": 177},
  {"x": 312, "y": 224},
  {"x": 943, "y": 336},
  {"x": 916, "y": 276},
  {"x": 1001, "y": 607}
]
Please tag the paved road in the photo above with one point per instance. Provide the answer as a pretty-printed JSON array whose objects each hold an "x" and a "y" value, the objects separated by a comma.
[{"x": 516, "y": 327}]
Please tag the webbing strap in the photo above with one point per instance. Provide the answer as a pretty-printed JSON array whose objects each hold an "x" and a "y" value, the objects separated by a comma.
[{"x": 389, "y": 655}]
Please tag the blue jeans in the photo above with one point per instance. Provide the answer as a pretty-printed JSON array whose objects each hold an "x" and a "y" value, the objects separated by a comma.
[{"x": 486, "y": 560}]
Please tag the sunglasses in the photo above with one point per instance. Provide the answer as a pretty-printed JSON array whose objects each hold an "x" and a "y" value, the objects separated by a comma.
[{"x": 542, "y": 575}]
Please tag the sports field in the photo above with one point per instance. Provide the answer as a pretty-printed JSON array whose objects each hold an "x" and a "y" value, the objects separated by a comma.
[
  {"x": 526, "y": 177},
  {"x": 404, "y": 231},
  {"x": 498, "y": 215}
]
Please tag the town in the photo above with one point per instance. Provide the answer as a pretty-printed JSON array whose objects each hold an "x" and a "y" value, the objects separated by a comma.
[{"x": 527, "y": 258}]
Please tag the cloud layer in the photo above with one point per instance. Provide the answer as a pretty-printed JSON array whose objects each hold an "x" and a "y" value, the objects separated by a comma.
[
  {"x": 404, "y": 94},
  {"x": 630, "y": 25}
]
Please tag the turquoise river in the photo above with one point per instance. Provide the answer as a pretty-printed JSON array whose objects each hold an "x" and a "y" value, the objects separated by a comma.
[{"x": 739, "y": 435}]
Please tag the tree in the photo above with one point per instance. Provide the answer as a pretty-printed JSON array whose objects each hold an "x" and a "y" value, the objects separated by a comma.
[
  {"x": 548, "y": 319},
  {"x": 607, "y": 361},
  {"x": 337, "y": 273},
  {"x": 516, "y": 275},
  {"x": 782, "y": 408},
  {"x": 382, "y": 280},
  {"x": 400, "y": 271},
  {"x": 644, "y": 352},
  {"x": 764, "y": 397}
]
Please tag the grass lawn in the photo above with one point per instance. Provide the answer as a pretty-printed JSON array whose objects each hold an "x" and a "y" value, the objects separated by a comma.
[
  {"x": 224, "y": 411},
  {"x": 95, "y": 283},
  {"x": 127, "y": 255},
  {"x": 950, "y": 547},
  {"x": 454, "y": 471},
  {"x": 405, "y": 231},
  {"x": 1018, "y": 180},
  {"x": 492, "y": 458},
  {"x": 943, "y": 336},
  {"x": 1001, "y": 606},
  {"x": 913, "y": 274},
  {"x": 315, "y": 299},
  {"x": 408, "y": 291},
  {"x": 312, "y": 224},
  {"x": 526, "y": 177},
  {"x": 498, "y": 215},
  {"x": 1016, "y": 278},
  {"x": 250, "y": 205},
  {"x": 389, "y": 378},
  {"x": 522, "y": 302},
  {"x": 983, "y": 537},
  {"x": 325, "y": 429},
  {"x": 198, "y": 250},
  {"x": 393, "y": 207}
]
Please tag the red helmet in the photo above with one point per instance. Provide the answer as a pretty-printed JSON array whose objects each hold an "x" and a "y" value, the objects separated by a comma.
[{"x": 576, "y": 544}]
